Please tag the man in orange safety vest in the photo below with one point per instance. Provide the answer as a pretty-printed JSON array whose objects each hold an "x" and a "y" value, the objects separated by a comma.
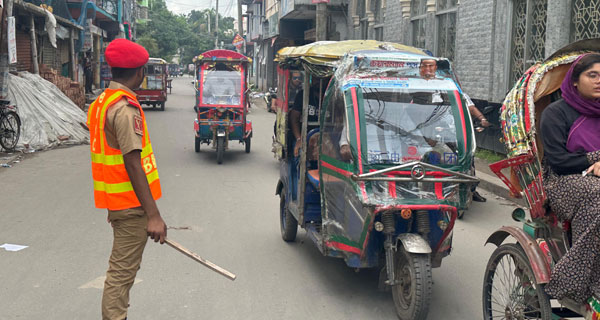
[{"x": 124, "y": 171}]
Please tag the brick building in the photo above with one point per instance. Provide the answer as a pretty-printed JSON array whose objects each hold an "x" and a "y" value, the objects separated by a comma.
[{"x": 491, "y": 42}]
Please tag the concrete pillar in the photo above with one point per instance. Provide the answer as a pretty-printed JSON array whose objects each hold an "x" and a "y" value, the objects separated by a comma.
[
  {"x": 96, "y": 60},
  {"x": 72, "y": 57},
  {"x": 321, "y": 22},
  {"x": 558, "y": 25},
  {"x": 34, "y": 54}
]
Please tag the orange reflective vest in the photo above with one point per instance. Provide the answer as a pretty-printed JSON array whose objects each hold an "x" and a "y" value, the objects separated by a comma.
[{"x": 112, "y": 187}]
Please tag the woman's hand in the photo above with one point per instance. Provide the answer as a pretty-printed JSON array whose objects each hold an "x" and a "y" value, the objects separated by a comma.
[{"x": 594, "y": 169}]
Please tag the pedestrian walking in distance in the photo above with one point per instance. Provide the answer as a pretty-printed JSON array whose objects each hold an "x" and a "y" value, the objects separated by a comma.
[{"x": 124, "y": 173}]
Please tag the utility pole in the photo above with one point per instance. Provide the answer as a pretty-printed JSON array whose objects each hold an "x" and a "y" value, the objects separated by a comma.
[
  {"x": 208, "y": 17},
  {"x": 321, "y": 20},
  {"x": 217, "y": 26},
  {"x": 240, "y": 19}
]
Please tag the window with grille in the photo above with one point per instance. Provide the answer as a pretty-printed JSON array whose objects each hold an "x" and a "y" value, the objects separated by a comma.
[
  {"x": 418, "y": 15},
  {"x": 446, "y": 33},
  {"x": 585, "y": 21},
  {"x": 528, "y": 35}
]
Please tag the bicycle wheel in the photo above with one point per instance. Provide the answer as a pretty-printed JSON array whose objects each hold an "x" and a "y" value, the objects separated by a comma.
[
  {"x": 509, "y": 288},
  {"x": 10, "y": 130}
]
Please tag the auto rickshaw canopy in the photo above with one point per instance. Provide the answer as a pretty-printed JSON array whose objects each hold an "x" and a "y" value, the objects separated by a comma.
[
  {"x": 221, "y": 56},
  {"x": 156, "y": 61},
  {"x": 327, "y": 53}
]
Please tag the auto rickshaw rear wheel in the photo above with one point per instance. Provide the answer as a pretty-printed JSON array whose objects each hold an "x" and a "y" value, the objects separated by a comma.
[
  {"x": 220, "y": 149},
  {"x": 414, "y": 285},
  {"x": 197, "y": 141},
  {"x": 509, "y": 287},
  {"x": 287, "y": 222},
  {"x": 247, "y": 144},
  {"x": 162, "y": 106}
]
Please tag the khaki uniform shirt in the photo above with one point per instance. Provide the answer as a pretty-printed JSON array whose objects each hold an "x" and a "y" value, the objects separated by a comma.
[
  {"x": 120, "y": 131},
  {"x": 120, "y": 123}
]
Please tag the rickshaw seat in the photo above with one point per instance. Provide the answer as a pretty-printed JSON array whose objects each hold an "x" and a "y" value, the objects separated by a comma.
[{"x": 313, "y": 177}]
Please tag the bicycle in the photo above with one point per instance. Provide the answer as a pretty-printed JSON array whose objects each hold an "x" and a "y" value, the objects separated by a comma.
[{"x": 10, "y": 125}]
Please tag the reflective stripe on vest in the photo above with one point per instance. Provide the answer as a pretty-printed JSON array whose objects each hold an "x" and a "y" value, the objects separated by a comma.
[{"x": 112, "y": 187}]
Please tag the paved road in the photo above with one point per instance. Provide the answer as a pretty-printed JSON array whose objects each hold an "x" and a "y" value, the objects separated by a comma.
[{"x": 227, "y": 213}]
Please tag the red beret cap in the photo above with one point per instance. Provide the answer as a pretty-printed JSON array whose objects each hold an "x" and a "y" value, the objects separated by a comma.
[{"x": 122, "y": 53}]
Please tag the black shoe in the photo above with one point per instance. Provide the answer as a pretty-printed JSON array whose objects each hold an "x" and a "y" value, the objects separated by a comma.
[{"x": 477, "y": 197}]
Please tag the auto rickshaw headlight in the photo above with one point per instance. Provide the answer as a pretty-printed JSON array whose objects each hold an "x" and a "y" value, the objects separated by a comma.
[
  {"x": 378, "y": 226},
  {"x": 406, "y": 214}
]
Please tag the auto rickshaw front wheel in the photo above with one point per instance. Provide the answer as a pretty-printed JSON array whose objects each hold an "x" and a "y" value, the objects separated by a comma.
[
  {"x": 197, "y": 141},
  {"x": 287, "y": 222},
  {"x": 509, "y": 287},
  {"x": 220, "y": 149},
  {"x": 414, "y": 285},
  {"x": 247, "y": 144}
]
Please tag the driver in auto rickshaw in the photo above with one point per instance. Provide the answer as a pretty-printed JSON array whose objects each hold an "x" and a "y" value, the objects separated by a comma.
[
  {"x": 428, "y": 70},
  {"x": 313, "y": 115},
  {"x": 571, "y": 139}
]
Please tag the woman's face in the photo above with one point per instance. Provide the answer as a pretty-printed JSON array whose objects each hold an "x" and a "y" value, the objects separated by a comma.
[{"x": 588, "y": 84}]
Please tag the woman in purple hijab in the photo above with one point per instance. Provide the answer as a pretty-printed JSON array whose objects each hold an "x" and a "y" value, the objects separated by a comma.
[{"x": 570, "y": 133}]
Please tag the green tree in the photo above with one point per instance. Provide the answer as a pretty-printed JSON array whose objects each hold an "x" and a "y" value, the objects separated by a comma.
[
  {"x": 150, "y": 44},
  {"x": 166, "y": 34}
]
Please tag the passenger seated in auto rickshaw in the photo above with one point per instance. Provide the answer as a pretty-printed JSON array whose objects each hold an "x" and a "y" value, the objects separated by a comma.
[{"x": 571, "y": 139}]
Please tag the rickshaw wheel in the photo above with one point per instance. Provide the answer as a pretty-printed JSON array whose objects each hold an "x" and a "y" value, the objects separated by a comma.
[
  {"x": 287, "y": 222},
  {"x": 509, "y": 287},
  {"x": 247, "y": 144},
  {"x": 412, "y": 293},
  {"x": 220, "y": 149},
  {"x": 197, "y": 141},
  {"x": 162, "y": 106}
]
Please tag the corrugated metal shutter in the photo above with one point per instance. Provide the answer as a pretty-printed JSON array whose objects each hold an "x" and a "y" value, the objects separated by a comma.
[
  {"x": 23, "y": 51},
  {"x": 49, "y": 56}
]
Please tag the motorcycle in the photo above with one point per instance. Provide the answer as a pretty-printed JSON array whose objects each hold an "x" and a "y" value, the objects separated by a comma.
[{"x": 269, "y": 96}]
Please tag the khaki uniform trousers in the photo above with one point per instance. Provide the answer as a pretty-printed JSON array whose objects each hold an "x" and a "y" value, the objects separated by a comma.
[{"x": 129, "y": 239}]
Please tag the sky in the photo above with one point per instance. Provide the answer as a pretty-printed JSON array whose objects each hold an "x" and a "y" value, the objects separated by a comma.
[{"x": 227, "y": 8}]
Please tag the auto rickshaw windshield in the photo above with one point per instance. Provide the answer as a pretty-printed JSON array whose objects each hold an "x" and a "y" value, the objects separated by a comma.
[
  {"x": 404, "y": 125},
  {"x": 221, "y": 85}
]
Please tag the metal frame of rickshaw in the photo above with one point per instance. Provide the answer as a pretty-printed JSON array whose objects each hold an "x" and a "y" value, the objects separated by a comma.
[
  {"x": 207, "y": 114},
  {"x": 399, "y": 173},
  {"x": 525, "y": 179},
  {"x": 154, "y": 96}
]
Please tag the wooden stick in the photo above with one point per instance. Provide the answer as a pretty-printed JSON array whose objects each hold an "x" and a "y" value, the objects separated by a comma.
[{"x": 198, "y": 258}]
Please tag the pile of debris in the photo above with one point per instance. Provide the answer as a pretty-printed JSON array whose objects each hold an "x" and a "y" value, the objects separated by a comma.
[
  {"x": 48, "y": 117},
  {"x": 72, "y": 89}
]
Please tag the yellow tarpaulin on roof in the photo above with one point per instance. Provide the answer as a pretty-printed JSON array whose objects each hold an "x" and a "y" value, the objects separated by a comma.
[{"x": 327, "y": 52}]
